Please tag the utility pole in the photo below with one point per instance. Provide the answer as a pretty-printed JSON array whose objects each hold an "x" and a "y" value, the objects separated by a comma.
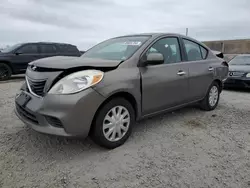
[{"x": 186, "y": 31}]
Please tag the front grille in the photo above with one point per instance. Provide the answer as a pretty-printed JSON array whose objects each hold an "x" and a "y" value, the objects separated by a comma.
[
  {"x": 36, "y": 86},
  {"x": 235, "y": 74},
  {"x": 27, "y": 115},
  {"x": 54, "y": 121}
]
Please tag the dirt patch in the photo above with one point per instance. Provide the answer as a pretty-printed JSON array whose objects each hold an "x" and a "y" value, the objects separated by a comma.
[{"x": 194, "y": 123}]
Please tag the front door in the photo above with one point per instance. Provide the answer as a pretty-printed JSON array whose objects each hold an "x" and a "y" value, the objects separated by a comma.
[
  {"x": 25, "y": 55},
  {"x": 166, "y": 85}
]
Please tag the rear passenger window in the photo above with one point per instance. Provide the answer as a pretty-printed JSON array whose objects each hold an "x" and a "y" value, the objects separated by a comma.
[
  {"x": 193, "y": 50},
  {"x": 68, "y": 48},
  {"x": 47, "y": 49},
  {"x": 63, "y": 48},
  {"x": 203, "y": 52},
  {"x": 73, "y": 49}
]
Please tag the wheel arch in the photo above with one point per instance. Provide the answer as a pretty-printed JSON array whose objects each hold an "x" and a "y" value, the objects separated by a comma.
[
  {"x": 219, "y": 82},
  {"x": 119, "y": 94},
  {"x": 7, "y": 63}
]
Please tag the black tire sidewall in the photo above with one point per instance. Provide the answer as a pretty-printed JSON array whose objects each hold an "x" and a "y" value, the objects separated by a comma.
[
  {"x": 9, "y": 71},
  {"x": 97, "y": 132},
  {"x": 206, "y": 103}
]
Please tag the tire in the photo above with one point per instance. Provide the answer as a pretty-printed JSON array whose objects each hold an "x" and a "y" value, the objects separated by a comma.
[
  {"x": 5, "y": 72},
  {"x": 104, "y": 115},
  {"x": 205, "y": 104}
]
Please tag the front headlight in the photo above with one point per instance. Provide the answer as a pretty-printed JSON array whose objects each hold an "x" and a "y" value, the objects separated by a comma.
[
  {"x": 77, "y": 81},
  {"x": 248, "y": 75}
]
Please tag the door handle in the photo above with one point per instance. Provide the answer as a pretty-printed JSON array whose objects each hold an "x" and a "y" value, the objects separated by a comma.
[
  {"x": 181, "y": 73},
  {"x": 210, "y": 68}
]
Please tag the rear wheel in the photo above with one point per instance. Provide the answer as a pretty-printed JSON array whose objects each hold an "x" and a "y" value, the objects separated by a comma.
[
  {"x": 5, "y": 72},
  {"x": 113, "y": 123},
  {"x": 211, "y": 100}
]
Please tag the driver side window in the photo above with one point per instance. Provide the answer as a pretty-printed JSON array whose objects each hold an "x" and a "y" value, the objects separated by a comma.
[
  {"x": 28, "y": 49},
  {"x": 169, "y": 48}
]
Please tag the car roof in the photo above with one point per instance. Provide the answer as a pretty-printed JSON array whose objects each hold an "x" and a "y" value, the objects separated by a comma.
[
  {"x": 156, "y": 35},
  {"x": 152, "y": 34},
  {"x": 57, "y": 43}
]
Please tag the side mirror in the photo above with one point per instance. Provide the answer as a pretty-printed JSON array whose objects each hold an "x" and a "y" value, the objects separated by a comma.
[
  {"x": 18, "y": 53},
  {"x": 154, "y": 59}
]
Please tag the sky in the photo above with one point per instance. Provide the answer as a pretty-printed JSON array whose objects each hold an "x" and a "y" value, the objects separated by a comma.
[{"x": 86, "y": 22}]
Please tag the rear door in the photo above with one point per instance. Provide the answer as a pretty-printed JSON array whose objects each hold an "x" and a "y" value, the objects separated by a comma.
[
  {"x": 201, "y": 69},
  {"x": 166, "y": 85},
  {"x": 24, "y": 55},
  {"x": 48, "y": 50}
]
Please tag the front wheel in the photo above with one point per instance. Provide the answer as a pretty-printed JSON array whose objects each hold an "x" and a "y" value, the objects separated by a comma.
[
  {"x": 113, "y": 123},
  {"x": 211, "y": 100},
  {"x": 5, "y": 72}
]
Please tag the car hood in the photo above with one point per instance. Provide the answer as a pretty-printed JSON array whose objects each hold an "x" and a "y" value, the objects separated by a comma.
[
  {"x": 2, "y": 54},
  {"x": 240, "y": 68},
  {"x": 63, "y": 62}
]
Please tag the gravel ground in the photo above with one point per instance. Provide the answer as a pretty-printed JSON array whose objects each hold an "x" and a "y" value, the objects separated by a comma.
[{"x": 186, "y": 148}]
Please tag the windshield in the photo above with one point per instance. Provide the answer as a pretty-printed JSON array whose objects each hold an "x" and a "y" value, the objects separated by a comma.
[
  {"x": 240, "y": 60},
  {"x": 11, "y": 48},
  {"x": 120, "y": 48}
]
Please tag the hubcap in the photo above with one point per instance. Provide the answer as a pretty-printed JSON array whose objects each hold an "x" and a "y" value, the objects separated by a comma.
[
  {"x": 116, "y": 123},
  {"x": 213, "y": 96}
]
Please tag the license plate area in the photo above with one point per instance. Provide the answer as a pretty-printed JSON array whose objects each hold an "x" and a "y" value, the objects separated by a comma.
[{"x": 23, "y": 99}]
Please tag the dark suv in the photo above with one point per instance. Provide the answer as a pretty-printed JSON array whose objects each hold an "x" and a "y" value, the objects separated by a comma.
[{"x": 15, "y": 59}]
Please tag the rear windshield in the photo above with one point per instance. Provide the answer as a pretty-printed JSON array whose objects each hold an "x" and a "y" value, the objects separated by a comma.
[
  {"x": 240, "y": 60},
  {"x": 120, "y": 48}
]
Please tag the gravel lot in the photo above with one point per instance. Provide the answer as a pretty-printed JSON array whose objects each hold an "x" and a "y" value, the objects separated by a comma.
[{"x": 186, "y": 148}]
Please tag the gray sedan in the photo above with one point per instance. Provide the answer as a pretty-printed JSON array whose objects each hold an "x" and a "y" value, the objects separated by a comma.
[{"x": 117, "y": 82}]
